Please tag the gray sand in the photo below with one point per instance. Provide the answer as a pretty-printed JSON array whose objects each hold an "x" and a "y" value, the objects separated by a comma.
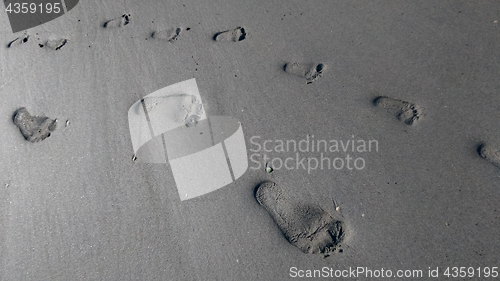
[{"x": 76, "y": 207}]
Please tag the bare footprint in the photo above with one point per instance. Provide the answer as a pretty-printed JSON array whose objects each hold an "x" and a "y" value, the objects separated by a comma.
[
  {"x": 169, "y": 34},
  {"x": 118, "y": 22},
  {"x": 19, "y": 40},
  {"x": 34, "y": 128},
  {"x": 403, "y": 110},
  {"x": 234, "y": 35},
  {"x": 491, "y": 154},
  {"x": 182, "y": 108},
  {"x": 56, "y": 44},
  {"x": 310, "y": 72},
  {"x": 310, "y": 228}
]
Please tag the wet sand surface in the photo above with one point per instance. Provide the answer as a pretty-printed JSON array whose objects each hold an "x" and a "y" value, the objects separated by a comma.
[{"x": 76, "y": 207}]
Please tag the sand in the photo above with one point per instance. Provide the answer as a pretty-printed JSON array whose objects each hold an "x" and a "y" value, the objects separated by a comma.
[{"x": 75, "y": 206}]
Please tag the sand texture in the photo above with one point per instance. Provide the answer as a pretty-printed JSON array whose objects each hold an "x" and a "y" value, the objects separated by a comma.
[{"x": 370, "y": 127}]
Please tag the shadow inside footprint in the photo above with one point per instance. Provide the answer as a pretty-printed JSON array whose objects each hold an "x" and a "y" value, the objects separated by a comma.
[
  {"x": 56, "y": 44},
  {"x": 311, "y": 72},
  {"x": 235, "y": 35},
  {"x": 489, "y": 153},
  {"x": 170, "y": 34},
  {"x": 118, "y": 22},
  {"x": 19, "y": 41},
  {"x": 310, "y": 228},
  {"x": 403, "y": 110},
  {"x": 34, "y": 128}
]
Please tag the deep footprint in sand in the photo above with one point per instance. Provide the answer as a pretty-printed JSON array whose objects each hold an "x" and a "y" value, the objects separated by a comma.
[
  {"x": 19, "y": 41},
  {"x": 118, "y": 22},
  {"x": 34, "y": 128},
  {"x": 56, "y": 44},
  {"x": 169, "y": 34},
  {"x": 491, "y": 154},
  {"x": 403, "y": 110},
  {"x": 310, "y": 72},
  {"x": 234, "y": 35},
  {"x": 310, "y": 228}
]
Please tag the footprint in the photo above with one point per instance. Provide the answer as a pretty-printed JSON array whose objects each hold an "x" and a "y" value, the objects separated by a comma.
[
  {"x": 56, "y": 44},
  {"x": 118, "y": 22},
  {"x": 311, "y": 73},
  {"x": 491, "y": 154},
  {"x": 170, "y": 34},
  {"x": 34, "y": 128},
  {"x": 310, "y": 228},
  {"x": 182, "y": 108},
  {"x": 403, "y": 110},
  {"x": 19, "y": 40},
  {"x": 235, "y": 35}
]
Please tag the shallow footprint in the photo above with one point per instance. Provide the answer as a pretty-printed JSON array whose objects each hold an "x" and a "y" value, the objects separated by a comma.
[
  {"x": 19, "y": 40},
  {"x": 181, "y": 108},
  {"x": 34, "y": 128},
  {"x": 170, "y": 34},
  {"x": 235, "y": 35},
  {"x": 403, "y": 110},
  {"x": 491, "y": 154},
  {"x": 118, "y": 22},
  {"x": 311, "y": 73},
  {"x": 56, "y": 44},
  {"x": 310, "y": 228}
]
